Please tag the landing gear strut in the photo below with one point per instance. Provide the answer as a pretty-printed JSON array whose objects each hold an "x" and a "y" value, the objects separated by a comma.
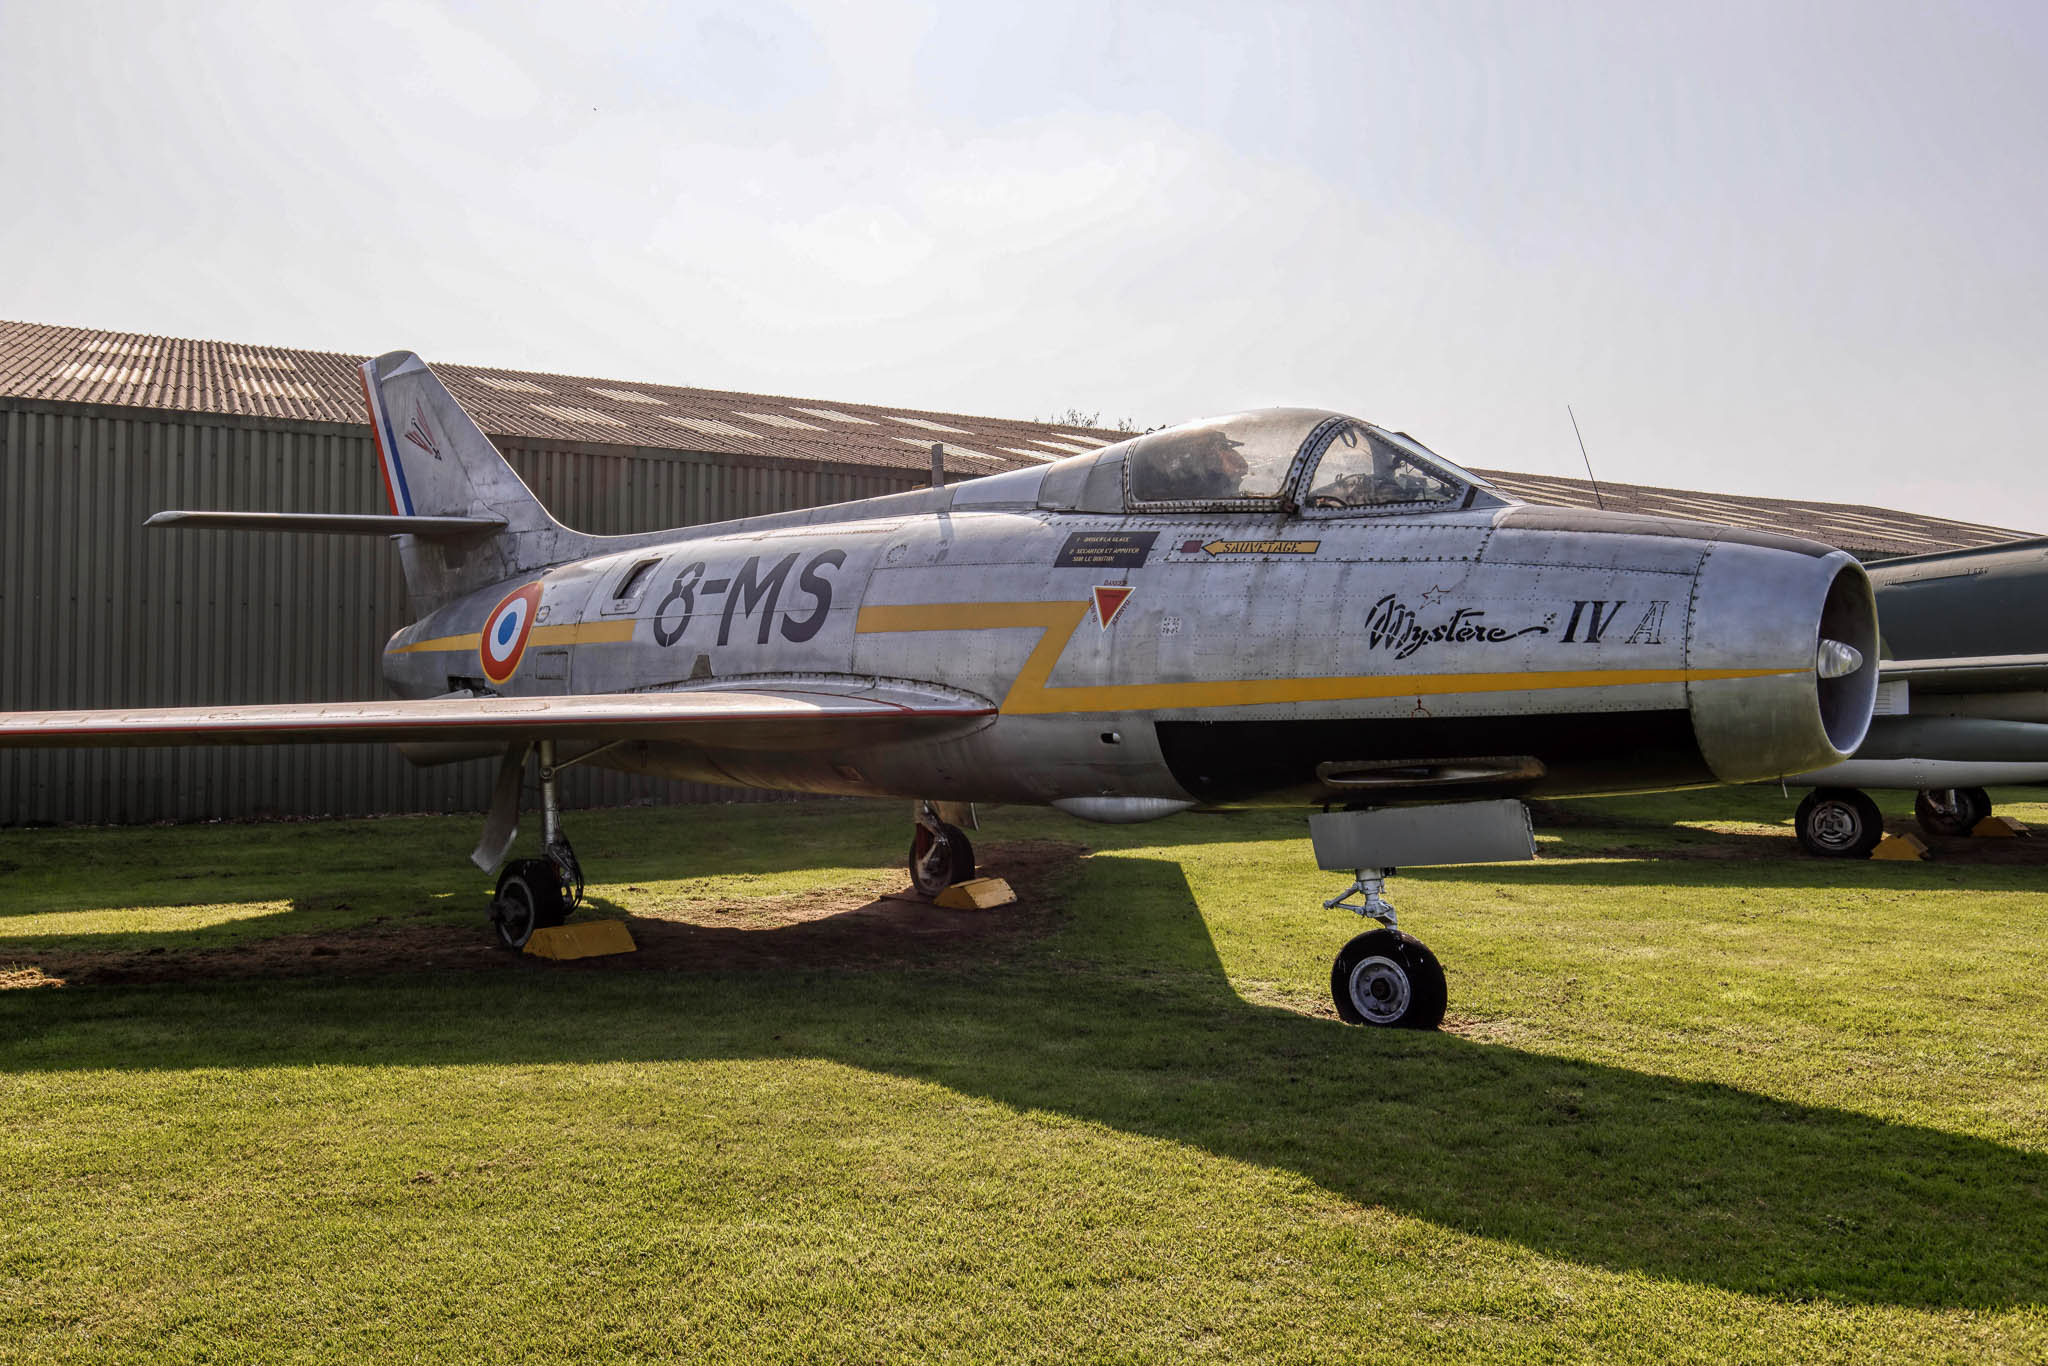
[
  {"x": 534, "y": 893},
  {"x": 940, "y": 854},
  {"x": 1952, "y": 810},
  {"x": 1384, "y": 977}
]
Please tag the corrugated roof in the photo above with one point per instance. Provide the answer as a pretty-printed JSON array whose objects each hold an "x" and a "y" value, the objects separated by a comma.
[
  {"x": 81, "y": 365},
  {"x": 78, "y": 365}
]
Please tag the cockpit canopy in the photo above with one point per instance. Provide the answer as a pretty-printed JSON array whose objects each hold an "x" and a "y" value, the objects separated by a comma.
[{"x": 1273, "y": 459}]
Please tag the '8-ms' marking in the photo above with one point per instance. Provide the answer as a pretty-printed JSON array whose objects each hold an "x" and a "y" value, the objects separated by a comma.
[{"x": 745, "y": 593}]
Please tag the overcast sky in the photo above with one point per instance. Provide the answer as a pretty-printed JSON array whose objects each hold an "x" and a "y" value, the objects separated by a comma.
[{"x": 1791, "y": 249}]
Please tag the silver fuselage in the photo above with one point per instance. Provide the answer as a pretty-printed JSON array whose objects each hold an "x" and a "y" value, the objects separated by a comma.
[{"x": 1258, "y": 657}]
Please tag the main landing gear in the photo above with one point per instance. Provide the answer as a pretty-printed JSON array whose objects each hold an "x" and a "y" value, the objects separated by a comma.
[
  {"x": 940, "y": 854},
  {"x": 535, "y": 893},
  {"x": 1384, "y": 977},
  {"x": 1843, "y": 822},
  {"x": 1951, "y": 810},
  {"x": 1838, "y": 822}
]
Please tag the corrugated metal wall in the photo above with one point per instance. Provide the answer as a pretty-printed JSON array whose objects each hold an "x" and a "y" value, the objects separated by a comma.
[{"x": 96, "y": 612}]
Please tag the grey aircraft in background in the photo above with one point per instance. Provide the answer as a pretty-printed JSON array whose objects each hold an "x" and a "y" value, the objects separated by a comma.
[
  {"x": 1962, "y": 697},
  {"x": 1284, "y": 607}
]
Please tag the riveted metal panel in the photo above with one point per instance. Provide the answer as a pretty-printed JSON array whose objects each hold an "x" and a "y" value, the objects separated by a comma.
[{"x": 96, "y": 612}]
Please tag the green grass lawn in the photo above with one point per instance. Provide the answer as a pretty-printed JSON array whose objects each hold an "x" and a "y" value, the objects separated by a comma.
[{"x": 1698, "y": 1098}]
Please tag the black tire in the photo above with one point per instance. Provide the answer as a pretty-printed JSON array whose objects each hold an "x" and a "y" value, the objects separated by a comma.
[
  {"x": 1838, "y": 822},
  {"x": 1980, "y": 804},
  {"x": 1950, "y": 811},
  {"x": 939, "y": 858},
  {"x": 1389, "y": 979},
  {"x": 529, "y": 898}
]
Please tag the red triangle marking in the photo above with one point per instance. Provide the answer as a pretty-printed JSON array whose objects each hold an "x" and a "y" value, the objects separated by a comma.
[{"x": 1108, "y": 602}]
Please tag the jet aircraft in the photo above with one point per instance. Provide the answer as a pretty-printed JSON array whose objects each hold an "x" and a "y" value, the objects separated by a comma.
[
  {"x": 1278, "y": 607},
  {"x": 1962, "y": 696}
]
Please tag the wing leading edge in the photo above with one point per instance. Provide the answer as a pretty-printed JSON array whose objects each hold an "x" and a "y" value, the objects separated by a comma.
[
  {"x": 1970, "y": 673},
  {"x": 761, "y": 719}
]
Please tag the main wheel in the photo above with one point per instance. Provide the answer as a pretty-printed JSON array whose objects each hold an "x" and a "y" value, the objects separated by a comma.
[
  {"x": 1838, "y": 822},
  {"x": 529, "y": 898},
  {"x": 1390, "y": 979},
  {"x": 939, "y": 858},
  {"x": 1980, "y": 804},
  {"x": 1951, "y": 811}
]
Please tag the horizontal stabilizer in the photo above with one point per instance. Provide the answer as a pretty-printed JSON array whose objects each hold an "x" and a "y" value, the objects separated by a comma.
[
  {"x": 719, "y": 720},
  {"x": 332, "y": 523}
]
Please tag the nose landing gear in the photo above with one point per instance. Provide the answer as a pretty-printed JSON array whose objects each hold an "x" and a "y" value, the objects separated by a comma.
[{"x": 1384, "y": 977}]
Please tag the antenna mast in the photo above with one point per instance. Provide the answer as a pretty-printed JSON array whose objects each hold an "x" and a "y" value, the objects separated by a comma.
[{"x": 1598, "y": 501}]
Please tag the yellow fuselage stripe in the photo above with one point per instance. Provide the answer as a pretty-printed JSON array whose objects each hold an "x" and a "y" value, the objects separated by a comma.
[
  {"x": 1030, "y": 694},
  {"x": 573, "y": 633}
]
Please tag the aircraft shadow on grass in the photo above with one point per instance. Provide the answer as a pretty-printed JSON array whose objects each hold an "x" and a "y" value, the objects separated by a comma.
[
  {"x": 1734, "y": 863},
  {"x": 1599, "y": 1165},
  {"x": 439, "y": 874}
]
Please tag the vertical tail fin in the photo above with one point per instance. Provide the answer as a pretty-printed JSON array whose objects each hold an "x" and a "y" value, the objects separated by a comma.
[{"x": 436, "y": 462}]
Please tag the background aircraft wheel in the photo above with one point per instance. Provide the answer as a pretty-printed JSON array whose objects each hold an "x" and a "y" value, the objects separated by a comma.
[
  {"x": 939, "y": 858},
  {"x": 1838, "y": 822},
  {"x": 1951, "y": 811},
  {"x": 1391, "y": 979},
  {"x": 529, "y": 898}
]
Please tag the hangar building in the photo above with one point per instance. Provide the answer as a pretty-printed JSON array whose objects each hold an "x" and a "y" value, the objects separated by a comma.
[{"x": 100, "y": 429}]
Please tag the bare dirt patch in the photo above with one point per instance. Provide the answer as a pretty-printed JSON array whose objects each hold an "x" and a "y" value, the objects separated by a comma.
[{"x": 849, "y": 928}]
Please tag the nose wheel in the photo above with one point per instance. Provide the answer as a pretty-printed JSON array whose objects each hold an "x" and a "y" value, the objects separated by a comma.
[
  {"x": 1389, "y": 979},
  {"x": 1384, "y": 977}
]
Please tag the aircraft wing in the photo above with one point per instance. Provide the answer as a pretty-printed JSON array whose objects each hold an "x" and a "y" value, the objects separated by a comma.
[
  {"x": 766, "y": 719},
  {"x": 1973, "y": 673}
]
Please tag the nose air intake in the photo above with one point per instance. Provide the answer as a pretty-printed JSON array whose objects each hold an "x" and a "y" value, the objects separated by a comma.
[
  {"x": 1804, "y": 627},
  {"x": 1846, "y": 696}
]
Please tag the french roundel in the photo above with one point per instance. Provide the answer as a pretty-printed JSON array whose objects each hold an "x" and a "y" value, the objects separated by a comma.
[{"x": 505, "y": 632}]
